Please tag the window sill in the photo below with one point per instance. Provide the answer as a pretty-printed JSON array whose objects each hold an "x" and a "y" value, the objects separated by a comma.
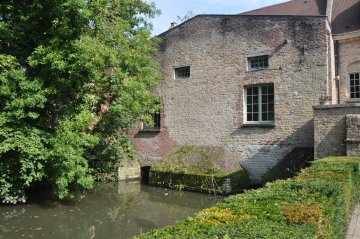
[
  {"x": 259, "y": 125},
  {"x": 255, "y": 70},
  {"x": 353, "y": 100}
]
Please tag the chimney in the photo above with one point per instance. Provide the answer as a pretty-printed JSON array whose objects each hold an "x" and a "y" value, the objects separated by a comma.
[{"x": 172, "y": 25}]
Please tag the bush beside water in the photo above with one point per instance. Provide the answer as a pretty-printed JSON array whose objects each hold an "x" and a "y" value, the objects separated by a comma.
[
  {"x": 315, "y": 204},
  {"x": 198, "y": 168}
]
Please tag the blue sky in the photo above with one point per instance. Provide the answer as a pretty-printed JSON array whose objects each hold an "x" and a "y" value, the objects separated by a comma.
[{"x": 172, "y": 8}]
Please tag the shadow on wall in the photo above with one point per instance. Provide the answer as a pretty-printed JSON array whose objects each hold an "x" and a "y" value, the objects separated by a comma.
[
  {"x": 259, "y": 158},
  {"x": 330, "y": 138}
]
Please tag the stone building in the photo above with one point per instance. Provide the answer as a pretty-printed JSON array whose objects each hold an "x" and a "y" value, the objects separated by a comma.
[{"x": 251, "y": 83}]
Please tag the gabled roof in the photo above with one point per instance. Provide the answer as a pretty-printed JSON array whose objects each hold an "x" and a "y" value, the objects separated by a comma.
[
  {"x": 345, "y": 13},
  {"x": 294, "y": 7}
]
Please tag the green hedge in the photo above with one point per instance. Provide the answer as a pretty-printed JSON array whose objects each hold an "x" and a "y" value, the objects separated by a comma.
[
  {"x": 198, "y": 168},
  {"x": 315, "y": 204},
  {"x": 224, "y": 183}
]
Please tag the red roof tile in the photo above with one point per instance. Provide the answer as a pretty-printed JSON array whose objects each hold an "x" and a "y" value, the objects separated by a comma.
[
  {"x": 294, "y": 7},
  {"x": 345, "y": 15}
]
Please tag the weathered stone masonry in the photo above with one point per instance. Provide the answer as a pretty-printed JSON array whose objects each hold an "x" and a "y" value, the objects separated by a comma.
[
  {"x": 349, "y": 62},
  {"x": 208, "y": 108},
  {"x": 336, "y": 126},
  {"x": 337, "y": 130}
]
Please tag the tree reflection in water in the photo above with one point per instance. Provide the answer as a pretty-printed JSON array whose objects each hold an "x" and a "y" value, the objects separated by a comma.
[{"x": 111, "y": 210}]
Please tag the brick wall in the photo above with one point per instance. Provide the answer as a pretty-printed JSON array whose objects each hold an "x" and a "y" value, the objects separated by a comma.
[
  {"x": 352, "y": 135},
  {"x": 208, "y": 107},
  {"x": 331, "y": 127},
  {"x": 349, "y": 62}
]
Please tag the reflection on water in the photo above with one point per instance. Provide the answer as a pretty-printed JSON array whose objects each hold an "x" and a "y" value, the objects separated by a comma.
[{"x": 109, "y": 211}]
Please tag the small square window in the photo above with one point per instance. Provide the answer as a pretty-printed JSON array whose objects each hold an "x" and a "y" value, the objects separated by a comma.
[
  {"x": 182, "y": 72},
  {"x": 258, "y": 63},
  {"x": 354, "y": 85}
]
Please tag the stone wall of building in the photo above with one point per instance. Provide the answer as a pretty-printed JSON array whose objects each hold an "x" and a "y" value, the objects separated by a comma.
[
  {"x": 349, "y": 62},
  {"x": 331, "y": 130},
  {"x": 208, "y": 108},
  {"x": 353, "y": 135}
]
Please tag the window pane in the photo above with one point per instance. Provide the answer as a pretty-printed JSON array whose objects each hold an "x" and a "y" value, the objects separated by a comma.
[
  {"x": 264, "y": 90},
  {"x": 271, "y": 116},
  {"x": 264, "y": 109},
  {"x": 354, "y": 85},
  {"x": 259, "y": 62},
  {"x": 264, "y": 117},
  {"x": 271, "y": 98},
  {"x": 271, "y": 107},
  {"x": 255, "y": 90},
  {"x": 249, "y": 100},
  {"x": 260, "y": 111}
]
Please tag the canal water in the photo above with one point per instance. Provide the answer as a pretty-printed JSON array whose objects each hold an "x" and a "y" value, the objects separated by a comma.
[{"x": 112, "y": 210}]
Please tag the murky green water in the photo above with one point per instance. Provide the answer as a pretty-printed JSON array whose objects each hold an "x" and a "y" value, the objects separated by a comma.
[{"x": 110, "y": 211}]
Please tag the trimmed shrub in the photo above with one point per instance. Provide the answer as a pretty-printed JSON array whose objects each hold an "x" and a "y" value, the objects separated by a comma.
[
  {"x": 315, "y": 204},
  {"x": 198, "y": 169}
]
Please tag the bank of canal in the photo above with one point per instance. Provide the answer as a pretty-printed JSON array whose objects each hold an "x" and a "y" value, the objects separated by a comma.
[{"x": 111, "y": 210}]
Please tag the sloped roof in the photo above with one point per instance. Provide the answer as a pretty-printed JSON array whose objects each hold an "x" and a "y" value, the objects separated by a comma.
[
  {"x": 346, "y": 16},
  {"x": 345, "y": 13},
  {"x": 294, "y": 7}
]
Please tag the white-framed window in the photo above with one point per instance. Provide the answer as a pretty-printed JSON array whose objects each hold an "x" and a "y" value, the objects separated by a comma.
[
  {"x": 258, "y": 63},
  {"x": 259, "y": 101},
  {"x": 182, "y": 72},
  {"x": 354, "y": 85}
]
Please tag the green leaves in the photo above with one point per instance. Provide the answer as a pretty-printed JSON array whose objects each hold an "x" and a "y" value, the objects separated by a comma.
[
  {"x": 67, "y": 166},
  {"x": 22, "y": 149},
  {"x": 75, "y": 76}
]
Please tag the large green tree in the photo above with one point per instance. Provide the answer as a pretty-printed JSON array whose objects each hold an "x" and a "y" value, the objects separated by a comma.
[{"x": 74, "y": 77}]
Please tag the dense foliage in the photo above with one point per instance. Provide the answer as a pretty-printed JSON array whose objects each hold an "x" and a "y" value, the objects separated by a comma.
[
  {"x": 315, "y": 204},
  {"x": 74, "y": 77}
]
